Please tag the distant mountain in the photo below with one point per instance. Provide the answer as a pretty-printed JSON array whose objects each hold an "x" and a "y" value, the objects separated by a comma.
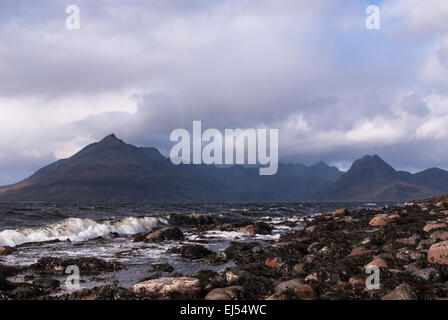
[
  {"x": 113, "y": 171},
  {"x": 372, "y": 179}
]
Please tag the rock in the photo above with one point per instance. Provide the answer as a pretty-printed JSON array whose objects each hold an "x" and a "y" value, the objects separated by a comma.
[
  {"x": 340, "y": 212},
  {"x": 289, "y": 285},
  {"x": 237, "y": 249},
  {"x": 272, "y": 262},
  {"x": 433, "y": 225},
  {"x": 165, "y": 234},
  {"x": 310, "y": 228},
  {"x": 6, "y": 250},
  {"x": 407, "y": 241},
  {"x": 256, "y": 228},
  {"x": 380, "y": 263},
  {"x": 401, "y": 292},
  {"x": 439, "y": 235},
  {"x": 360, "y": 251},
  {"x": 407, "y": 254},
  {"x": 379, "y": 221},
  {"x": 426, "y": 274},
  {"x": 384, "y": 255},
  {"x": 229, "y": 293},
  {"x": 394, "y": 216},
  {"x": 86, "y": 265},
  {"x": 438, "y": 253},
  {"x": 441, "y": 204},
  {"x": 192, "y": 251},
  {"x": 162, "y": 267},
  {"x": 278, "y": 296},
  {"x": 304, "y": 292},
  {"x": 312, "y": 277},
  {"x": 314, "y": 247},
  {"x": 356, "y": 281},
  {"x": 169, "y": 288},
  {"x": 300, "y": 289},
  {"x": 297, "y": 269}
]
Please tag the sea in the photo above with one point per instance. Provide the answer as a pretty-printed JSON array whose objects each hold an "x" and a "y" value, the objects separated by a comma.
[{"x": 106, "y": 231}]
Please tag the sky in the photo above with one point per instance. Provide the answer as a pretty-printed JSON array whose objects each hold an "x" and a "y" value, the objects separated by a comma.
[{"x": 334, "y": 89}]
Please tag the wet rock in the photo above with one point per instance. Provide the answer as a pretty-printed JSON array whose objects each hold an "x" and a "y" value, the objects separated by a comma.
[
  {"x": 237, "y": 249},
  {"x": 272, "y": 262},
  {"x": 401, "y": 292},
  {"x": 439, "y": 235},
  {"x": 165, "y": 234},
  {"x": 441, "y": 204},
  {"x": 356, "y": 281},
  {"x": 169, "y": 288},
  {"x": 407, "y": 254},
  {"x": 426, "y": 274},
  {"x": 438, "y": 253},
  {"x": 379, "y": 221},
  {"x": 257, "y": 228},
  {"x": 86, "y": 266},
  {"x": 432, "y": 225},
  {"x": 360, "y": 251},
  {"x": 6, "y": 250},
  {"x": 107, "y": 292},
  {"x": 229, "y": 293},
  {"x": 289, "y": 285},
  {"x": 192, "y": 251},
  {"x": 380, "y": 263},
  {"x": 46, "y": 283},
  {"x": 162, "y": 267},
  {"x": 314, "y": 247},
  {"x": 298, "y": 269},
  {"x": 340, "y": 212}
]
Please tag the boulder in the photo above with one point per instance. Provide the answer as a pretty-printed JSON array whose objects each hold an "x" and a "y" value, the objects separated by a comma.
[
  {"x": 401, "y": 292},
  {"x": 340, "y": 212},
  {"x": 440, "y": 235},
  {"x": 229, "y": 293},
  {"x": 165, "y": 234},
  {"x": 379, "y": 221},
  {"x": 192, "y": 251},
  {"x": 380, "y": 263},
  {"x": 289, "y": 285},
  {"x": 433, "y": 225},
  {"x": 169, "y": 288},
  {"x": 256, "y": 228},
  {"x": 6, "y": 250},
  {"x": 438, "y": 253}
]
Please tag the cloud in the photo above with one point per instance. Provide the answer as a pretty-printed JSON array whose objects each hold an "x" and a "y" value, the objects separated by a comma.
[{"x": 141, "y": 69}]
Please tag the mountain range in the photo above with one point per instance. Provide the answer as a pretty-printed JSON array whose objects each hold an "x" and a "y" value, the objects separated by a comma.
[{"x": 112, "y": 171}]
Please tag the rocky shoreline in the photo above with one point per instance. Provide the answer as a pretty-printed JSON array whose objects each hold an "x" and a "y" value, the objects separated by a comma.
[{"x": 327, "y": 259}]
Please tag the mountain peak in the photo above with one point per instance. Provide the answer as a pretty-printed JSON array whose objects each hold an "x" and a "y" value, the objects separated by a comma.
[{"x": 112, "y": 138}]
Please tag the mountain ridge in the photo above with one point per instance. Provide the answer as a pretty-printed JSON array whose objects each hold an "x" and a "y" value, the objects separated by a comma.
[{"x": 111, "y": 170}]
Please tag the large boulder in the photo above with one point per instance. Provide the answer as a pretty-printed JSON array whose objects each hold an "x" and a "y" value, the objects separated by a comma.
[
  {"x": 438, "y": 253},
  {"x": 192, "y": 251},
  {"x": 229, "y": 293},
  {"x": 256, "y": 228},
  {"x": 401, "y": 292},
  {"x": 6, "y": 250},
  {"x": 169, "y": 288},
  {"x": 165, "y": 234},
  {"x": 379, "y": 221}
]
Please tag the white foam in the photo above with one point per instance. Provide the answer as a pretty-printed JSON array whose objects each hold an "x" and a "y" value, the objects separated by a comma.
[{"x": 77, "y": 229}]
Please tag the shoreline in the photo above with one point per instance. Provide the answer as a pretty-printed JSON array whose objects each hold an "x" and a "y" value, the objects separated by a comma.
[{"x": 324, "y": 260}]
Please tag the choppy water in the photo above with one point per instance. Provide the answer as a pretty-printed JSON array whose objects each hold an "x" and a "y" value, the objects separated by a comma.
[{"x": 89, "y": 229}]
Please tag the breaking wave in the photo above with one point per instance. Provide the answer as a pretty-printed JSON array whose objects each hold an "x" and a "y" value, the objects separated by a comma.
[{"x": 77, "y": 229}]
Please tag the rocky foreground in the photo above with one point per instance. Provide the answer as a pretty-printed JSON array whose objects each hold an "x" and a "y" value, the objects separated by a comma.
[{"x": 327, "y": 259}]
